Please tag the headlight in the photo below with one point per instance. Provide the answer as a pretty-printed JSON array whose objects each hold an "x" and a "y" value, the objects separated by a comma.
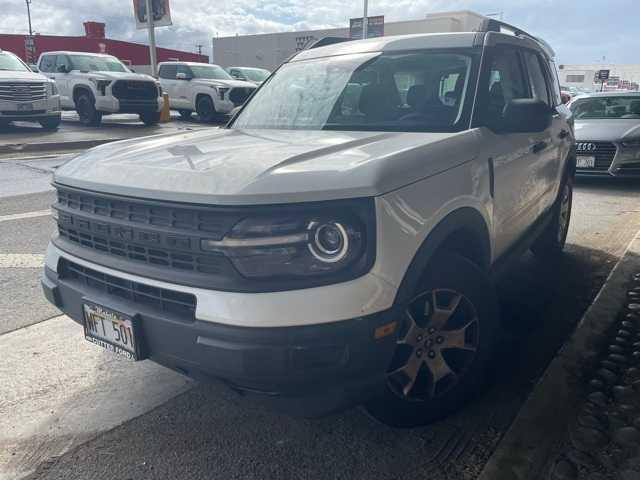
[
  {"x": 53, "y": 89},
  {"x": 101, "y": 85},
  {"x": 631, "y": 143},
  {"x": 314, "y": 244},
  {"x": 222, "y": 91}
]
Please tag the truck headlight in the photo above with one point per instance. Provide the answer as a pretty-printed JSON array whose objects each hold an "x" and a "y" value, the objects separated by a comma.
[
  {"x": 313, "y": 244},
  {"x": 53, "y": 89},
  {"x": 101, "y": 85}
]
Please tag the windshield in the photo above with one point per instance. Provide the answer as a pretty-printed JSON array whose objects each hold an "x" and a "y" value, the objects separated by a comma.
[
  {"x": 606, "y": 107},
  {"x": 89, "y": 63},
  {"x": 9, "y": 62},
  {"x": 415, "y": 91},
  {"x": 256, "y": 74},
  {"x": 211, "y": 72}
]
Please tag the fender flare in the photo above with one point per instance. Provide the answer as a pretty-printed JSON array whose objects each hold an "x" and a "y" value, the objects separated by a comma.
[{"x": 464, "y": 219}]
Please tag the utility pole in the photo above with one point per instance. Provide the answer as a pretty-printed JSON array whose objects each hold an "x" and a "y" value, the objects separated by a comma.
[
  {"x": 365, "y": 20},
  {"x": 152, "y": 39},
  {"x": 30, "y": 44}
]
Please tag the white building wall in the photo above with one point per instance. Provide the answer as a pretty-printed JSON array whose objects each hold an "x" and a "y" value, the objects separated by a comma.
[
  {"x": 630, "y": 72},
  {"x": 271, "y": 49}
]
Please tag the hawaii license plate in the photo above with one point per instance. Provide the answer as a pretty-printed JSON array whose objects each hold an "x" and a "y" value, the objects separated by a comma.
[
  {"x": 584, "y": 161},
  {"x": 111, "y": 330}
]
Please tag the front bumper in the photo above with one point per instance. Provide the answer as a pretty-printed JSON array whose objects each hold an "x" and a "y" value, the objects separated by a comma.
[
  {"x": 625, "y": 163},
  {"x": 40, "y": 109},
  {"x": 305, "y": 370},
  {"x": 110, "y": 104}
]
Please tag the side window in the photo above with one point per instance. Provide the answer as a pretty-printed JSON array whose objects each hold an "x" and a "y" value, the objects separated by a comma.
[
  {"x": 537, "y": 78},
  {"x": 168, "y": 72},
  {"x": 184, "y": 69},
  {"x": 506, "y": 82},
  {"x": 47, "y": 63},
  {"x": 62, "y": 60}
]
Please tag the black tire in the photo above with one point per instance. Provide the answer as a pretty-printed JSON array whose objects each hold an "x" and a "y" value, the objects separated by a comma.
[
  {"x": 205, "y": 109},
  {"x": 150, "y": 118},
  {"x": 185, "y": 114},
  {"x": 86, "y": 108},
  {"x": 552, "y": 240},
  {"x": 448, "y": 278},
  {"x": 50, "y": 123}
]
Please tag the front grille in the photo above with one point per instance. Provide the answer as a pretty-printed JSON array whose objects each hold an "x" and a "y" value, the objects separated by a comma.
[
  {"x": 604, "y": 153},
  {"x": 158, "y": 299},
  {"x": 239, "y": 95},
  {"x": 22, "y": 91},
  {"x": 134, "y": 90}
]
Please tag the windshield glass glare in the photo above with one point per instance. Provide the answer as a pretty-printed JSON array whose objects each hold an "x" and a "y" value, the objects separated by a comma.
[
  {"x": 11, "y": 63},
  {"x": 606, "y": 107},
  {"x": 212, "y": 72},
  {"x": 415, "y": 91},
  {"x": 88, "y": 63}
]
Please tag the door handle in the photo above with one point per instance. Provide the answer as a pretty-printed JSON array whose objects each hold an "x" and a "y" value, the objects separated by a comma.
[
  {"x": 563, "y": 134},
  {"x": 538, "y": 147}
]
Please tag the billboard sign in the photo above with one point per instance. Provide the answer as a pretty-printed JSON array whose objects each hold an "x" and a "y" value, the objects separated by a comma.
[
  {"x": 375, "y": 27},
  {"x": 603, "y": 75},
  {"x": 160, "y": 11}
]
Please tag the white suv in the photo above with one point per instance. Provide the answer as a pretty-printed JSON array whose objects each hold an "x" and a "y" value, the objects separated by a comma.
[
  {"x": 26, "y": 96},
  {"x": 202, "y": 88},
  {"x": 95, "y": 85},
  {"x": 336, "y": 243}
]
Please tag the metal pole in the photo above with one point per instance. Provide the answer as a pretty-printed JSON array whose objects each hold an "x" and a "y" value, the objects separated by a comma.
[
  {"x": 365, "y": 20},
  {"x": 29, "y": 16},
  {"x": 32, "y": 46},
  {"x": 152, "y": 39}
]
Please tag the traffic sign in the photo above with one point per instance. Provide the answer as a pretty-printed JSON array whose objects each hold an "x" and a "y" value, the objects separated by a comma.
[{"x": 603, "y": 75}]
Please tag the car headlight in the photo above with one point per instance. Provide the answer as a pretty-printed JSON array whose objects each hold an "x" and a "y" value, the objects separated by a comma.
[
  {"x": 53, "y": 89},
  {"x": 631, "y": 143},
  {"x": 101, "y": 85},
  {"x": 318, "y": 243}
]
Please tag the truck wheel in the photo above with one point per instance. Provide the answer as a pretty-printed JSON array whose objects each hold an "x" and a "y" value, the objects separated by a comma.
[
  {"x": 552, "y": 240},
  {"x": 205, "y": 109},
  {"x": 443, "y": 347},
  {"x": 150, "y": 118},
  {"x": 50, "y": 123},
  {"x": 185, "y": 114},
  {"x": 86, "y": 108}
]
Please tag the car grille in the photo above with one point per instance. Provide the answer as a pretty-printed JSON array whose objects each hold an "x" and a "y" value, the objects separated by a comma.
[
  {"x": 22, "y": 91},
  {"x": 180, "y": 304},
  {"x": 134, "y": 90},
  {"x": 158, "y": 234},
  {"x": 604, "y": 153},
  {"x": 239, "y": 95}
]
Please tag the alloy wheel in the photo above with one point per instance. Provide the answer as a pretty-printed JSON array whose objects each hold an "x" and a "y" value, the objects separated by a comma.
[{"x": 438, "y": 345}]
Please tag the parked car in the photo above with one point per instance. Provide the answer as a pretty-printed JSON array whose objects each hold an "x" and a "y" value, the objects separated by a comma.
[
  {"x": 325, "y": 249},
  {"x": 203, "y": 88},
  {"x": 25, "y": 95},
  {"x": 96, "y": 84},
  {"x": 253, "y": 75},
  {"x": 608, "y": 134}
]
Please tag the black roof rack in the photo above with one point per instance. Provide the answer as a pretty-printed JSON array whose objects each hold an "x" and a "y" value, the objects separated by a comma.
[
  {"x": 325, "y": 41},
  {"x": 493, "y": 25}
]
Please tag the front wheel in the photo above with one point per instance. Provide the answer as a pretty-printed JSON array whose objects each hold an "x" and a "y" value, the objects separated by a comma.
[
  {"x": 150, "y": 118},
  {"x": 86, "y": 108},
  {"x": 205, "y": 109},
  {"x": 552, "y": 240},
  {"x": 50, "y": 123},
  {"x": 443, "y": 347}
]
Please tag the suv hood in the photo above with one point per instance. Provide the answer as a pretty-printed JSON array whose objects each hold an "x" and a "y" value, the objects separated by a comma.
[
  {"x": 117, "y": 76},
  {"x": 610, "y": 130},
  {"x": 243, "y": 167},
  {"x": 11, "y": 75},
  {"x": 224, "y": 83}
]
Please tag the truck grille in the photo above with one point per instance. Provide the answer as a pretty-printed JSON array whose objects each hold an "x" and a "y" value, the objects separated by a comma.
[
  {"x": 603, "y": 151},
  {"x": 134, "y": 90},
  {"x": 160, "y": 299},
  {"x": 22, "y": 91},
  {"x": 239, "y": 95}
]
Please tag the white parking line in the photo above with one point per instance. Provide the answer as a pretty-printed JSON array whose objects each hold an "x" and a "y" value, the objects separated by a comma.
[
  {"x": 20, "y": 216},
  {"x": 21, "y": 260}
]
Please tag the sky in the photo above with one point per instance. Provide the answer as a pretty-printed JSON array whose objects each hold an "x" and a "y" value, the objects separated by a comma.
[{"x": 581, "y": 31}]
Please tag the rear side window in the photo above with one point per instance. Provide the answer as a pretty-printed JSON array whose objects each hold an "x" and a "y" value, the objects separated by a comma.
[
  {"x": 537, "y": 78},
  {"x": 63, "y": 60},
  {"x": 47, "y": 63},
  {"x": 168, "y": 71}
]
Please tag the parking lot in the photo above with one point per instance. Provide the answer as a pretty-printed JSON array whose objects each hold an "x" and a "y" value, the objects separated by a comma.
[{"x": 71, "y": 410}]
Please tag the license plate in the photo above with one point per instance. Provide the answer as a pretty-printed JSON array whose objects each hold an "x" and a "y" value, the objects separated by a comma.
[
  {"x": 111, "y": 330},
  {"x": 586, "y": 161},
  {"x": 25, "y": 107}
]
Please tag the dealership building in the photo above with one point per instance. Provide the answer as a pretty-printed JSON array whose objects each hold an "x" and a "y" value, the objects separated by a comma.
[
  {"x": 135, "y": 55},
  {"x": 621, "y": 76},
  {"x": 271, "y": 49}
]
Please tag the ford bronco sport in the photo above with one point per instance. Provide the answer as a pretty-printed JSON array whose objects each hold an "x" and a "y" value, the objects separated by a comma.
[{"x": 335, "y": 244}]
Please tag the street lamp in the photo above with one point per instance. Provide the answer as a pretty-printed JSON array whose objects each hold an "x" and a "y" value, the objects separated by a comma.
[{"x": 365, "y": 20}]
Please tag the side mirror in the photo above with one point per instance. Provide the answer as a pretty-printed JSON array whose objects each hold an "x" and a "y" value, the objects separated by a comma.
[
  {"x": 525, "y": 115},
  {"x": 566, "y": 98},
  {"x": 183, "y": 76},
  {"x": 62, "y": 69}
]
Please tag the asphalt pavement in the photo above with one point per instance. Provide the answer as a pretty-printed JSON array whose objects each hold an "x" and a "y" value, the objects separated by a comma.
[{"x": 69, "y": 410}]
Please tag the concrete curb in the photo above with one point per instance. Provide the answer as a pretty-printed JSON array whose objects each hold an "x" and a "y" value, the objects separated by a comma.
[
  {"x": 542, "y": 422},
  {"x": 48, "y": 146}
]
